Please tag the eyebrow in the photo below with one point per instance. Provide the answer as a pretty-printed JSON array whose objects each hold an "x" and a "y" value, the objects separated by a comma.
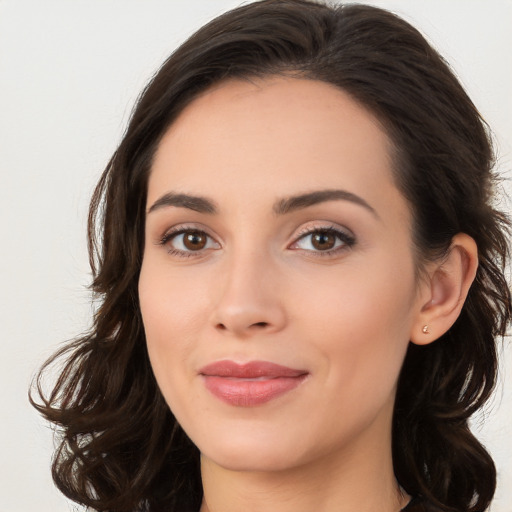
[
  {"x": 290, "y": 204},
  {"x": 281, "y": 207},
  {"x": 196, "y": 203}
]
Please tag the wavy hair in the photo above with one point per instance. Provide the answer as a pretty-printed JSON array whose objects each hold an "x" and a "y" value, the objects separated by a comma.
[{"x": 121, "y": 448}]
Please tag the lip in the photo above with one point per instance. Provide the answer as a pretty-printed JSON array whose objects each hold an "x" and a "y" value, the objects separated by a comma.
[{"x": 250, "y": 384}]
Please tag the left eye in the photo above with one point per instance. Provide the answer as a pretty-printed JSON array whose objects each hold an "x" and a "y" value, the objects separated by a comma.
[{"x": 323, "y": 240}]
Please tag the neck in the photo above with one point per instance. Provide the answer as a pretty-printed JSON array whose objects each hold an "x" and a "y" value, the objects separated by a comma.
[{"x": 360, "y": 478}]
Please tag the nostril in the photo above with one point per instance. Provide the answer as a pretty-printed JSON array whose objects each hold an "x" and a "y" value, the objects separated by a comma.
[{"x": 260, "y": 324}]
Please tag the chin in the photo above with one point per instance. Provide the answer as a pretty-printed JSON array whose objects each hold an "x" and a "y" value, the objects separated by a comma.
[
  {"x": 258, "y": 454},
  {"x": 251, "y": 461}
]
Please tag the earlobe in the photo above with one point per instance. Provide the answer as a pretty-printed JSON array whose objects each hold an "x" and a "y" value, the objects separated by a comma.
[{"x": 445, "y": 289}]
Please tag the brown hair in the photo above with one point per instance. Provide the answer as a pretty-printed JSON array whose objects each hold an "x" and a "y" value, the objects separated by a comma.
[{"x": 121, "y": 448}]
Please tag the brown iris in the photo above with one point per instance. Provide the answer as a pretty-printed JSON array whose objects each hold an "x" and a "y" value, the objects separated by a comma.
[
  {"x": 323, "y": 240},
  {"x": 194, "y": 240}
]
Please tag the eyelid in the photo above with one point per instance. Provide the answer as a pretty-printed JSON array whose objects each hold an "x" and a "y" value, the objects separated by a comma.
[
  {"x": 182, "y": 227},
  {"x": 175, "y": 231},
  {"x": 343, "y": 234},
  {"x": 323, "y": 226}
]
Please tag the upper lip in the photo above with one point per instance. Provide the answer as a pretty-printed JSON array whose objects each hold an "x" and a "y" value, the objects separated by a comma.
[{"x": 250, "y": 370}]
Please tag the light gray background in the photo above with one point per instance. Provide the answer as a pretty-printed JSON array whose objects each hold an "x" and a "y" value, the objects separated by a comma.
[{"x": 70, "y": 71}]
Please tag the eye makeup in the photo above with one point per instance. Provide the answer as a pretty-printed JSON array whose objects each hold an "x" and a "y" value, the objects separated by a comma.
[{"x": 185, "y": 241}]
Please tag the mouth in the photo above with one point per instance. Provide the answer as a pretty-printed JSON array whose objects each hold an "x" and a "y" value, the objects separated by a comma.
[{"x": 250, "y": 384}]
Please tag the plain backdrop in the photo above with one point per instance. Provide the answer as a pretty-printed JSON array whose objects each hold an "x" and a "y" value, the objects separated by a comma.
[{"x": 70, "y": 71}]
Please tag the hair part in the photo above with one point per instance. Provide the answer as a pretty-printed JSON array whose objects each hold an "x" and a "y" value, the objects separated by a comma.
[{"x": 121, "y": 448}]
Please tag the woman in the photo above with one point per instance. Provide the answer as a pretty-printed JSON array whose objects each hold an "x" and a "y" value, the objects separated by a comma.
[{"x": 301, "y": 276}]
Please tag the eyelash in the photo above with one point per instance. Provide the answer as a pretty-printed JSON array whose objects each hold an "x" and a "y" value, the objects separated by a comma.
[
  {"x": 348, "y": 240},
  {"x": 174, "y": 233}
]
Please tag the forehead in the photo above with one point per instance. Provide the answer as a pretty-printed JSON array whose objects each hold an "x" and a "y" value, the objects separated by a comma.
[{"x": 272, "y": 137}]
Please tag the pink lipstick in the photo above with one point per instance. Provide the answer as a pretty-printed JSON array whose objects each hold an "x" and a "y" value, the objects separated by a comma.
[{"x": 250, "y": 384}]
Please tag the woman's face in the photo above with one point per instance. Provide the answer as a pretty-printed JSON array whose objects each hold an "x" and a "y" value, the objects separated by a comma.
[{"x": 278, "y": 286}]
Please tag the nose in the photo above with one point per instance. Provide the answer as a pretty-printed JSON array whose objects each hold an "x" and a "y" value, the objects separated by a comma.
[{"x": 249, "y": 300}]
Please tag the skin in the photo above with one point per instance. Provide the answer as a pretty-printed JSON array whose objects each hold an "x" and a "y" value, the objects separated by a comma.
[{"x": 261, "y": 290}]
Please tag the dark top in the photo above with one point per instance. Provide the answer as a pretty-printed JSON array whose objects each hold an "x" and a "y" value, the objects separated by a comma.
[{"x": 419, "y": 504}]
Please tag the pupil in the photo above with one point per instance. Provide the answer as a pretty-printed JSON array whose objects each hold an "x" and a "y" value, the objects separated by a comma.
[
  {"x": 194, "y": 240},
  {"x": 323, "y": 241}
]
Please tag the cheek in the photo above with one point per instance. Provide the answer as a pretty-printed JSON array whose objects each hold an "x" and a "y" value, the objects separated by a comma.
[
  {"x": 171, "y": 312},
  {"x": 171, "y": 303},
  {"x": 362, "y": 327}
]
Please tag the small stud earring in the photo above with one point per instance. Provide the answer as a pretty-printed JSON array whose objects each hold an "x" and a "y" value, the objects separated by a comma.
[{"x": 425, "y": 329}]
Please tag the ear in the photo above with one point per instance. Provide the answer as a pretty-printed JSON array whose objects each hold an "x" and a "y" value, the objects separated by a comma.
[{"x": 444, "y": 290}]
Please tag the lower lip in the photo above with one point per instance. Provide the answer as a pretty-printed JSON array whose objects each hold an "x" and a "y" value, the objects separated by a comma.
[{"x": 250, "y": 392}]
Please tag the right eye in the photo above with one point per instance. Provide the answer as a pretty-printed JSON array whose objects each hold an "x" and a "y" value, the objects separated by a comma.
[{"x": 185, "y": 241}]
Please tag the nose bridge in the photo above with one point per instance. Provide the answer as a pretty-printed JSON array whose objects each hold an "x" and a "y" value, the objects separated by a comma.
[{"x": 249, "y": 299}]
